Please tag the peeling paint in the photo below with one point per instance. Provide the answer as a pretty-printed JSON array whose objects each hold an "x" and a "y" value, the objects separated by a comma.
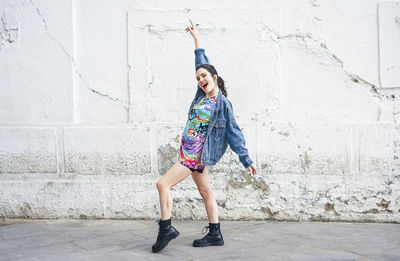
[
  {"x": 286, "y": 134},
  {"x": 221, "y": 203},
  {"x": 8, "y": 33},
  {"x": 330, "y": 208},
  {"x": 305, "y": 162},
  {"x": 383, "y": 204},
  {"x": 315, "y": 3},
  {"x": 269, "y": 212},
  {"x": 257, "y": 184},
  {"x": 26, "y": 210},
  {"x": 265, "y": 167},
  {"x": 167, "y": 156},
  {"x": 357, "y": 79}
]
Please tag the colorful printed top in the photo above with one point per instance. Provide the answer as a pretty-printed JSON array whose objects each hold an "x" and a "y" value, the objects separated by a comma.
[{"x": 195, "y": 132}]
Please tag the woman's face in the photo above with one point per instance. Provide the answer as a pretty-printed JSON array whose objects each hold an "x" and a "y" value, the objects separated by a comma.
[{"x": 206, "y": 82}]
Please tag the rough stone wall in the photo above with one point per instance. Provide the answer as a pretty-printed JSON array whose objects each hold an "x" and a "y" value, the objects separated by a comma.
[{"x": 94, "y": 97}]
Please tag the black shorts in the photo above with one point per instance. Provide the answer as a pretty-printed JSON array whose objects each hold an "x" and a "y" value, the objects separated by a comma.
[
  {"x": 198, "y": 170},
  {"x": 193, "y": 170}
]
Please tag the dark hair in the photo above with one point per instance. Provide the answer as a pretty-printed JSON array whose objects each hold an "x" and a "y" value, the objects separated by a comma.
[{"x": 220, "y": 82}]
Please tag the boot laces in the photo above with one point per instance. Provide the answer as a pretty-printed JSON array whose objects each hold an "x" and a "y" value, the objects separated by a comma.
[{"x": 205, "y": 228}]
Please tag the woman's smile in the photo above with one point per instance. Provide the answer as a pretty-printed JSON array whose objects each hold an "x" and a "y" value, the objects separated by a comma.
[{"x": 205, "y": 80}]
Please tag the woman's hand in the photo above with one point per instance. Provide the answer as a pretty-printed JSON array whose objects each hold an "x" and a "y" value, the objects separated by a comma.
[
  {"x": 193, "y": 32},
  {"x": 252, "y": 169}
]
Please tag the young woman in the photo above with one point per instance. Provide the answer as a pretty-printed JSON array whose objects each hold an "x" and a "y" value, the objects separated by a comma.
[{"x": 211, "y": 126}]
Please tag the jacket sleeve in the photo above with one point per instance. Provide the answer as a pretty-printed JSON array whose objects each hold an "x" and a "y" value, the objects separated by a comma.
[
  {"x": 236, "y": 139},
  {"x": 200, "y": 57}
]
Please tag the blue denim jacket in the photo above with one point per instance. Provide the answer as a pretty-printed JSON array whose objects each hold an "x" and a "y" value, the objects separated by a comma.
[{"x": 222, "y": 128}]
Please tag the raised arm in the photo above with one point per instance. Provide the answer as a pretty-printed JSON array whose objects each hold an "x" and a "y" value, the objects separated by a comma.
[{"x": 200, "y": 56}]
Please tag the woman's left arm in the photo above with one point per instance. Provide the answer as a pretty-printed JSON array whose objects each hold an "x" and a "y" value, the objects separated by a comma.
[{"x": 237, "y": 142}]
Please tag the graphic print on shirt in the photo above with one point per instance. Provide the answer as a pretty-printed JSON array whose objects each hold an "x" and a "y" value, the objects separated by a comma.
[{"x": 195, "y": 132}]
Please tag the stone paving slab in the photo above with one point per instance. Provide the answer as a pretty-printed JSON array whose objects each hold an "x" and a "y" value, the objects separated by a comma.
[{"x": 69, "y": 239}]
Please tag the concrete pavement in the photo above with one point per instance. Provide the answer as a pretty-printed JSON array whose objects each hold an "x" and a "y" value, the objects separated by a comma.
[{"x": 67, "y": 239}]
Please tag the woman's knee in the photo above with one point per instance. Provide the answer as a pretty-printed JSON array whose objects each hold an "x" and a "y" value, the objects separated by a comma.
[
  {"x": 205, "y": 193},
  {"x": 160, "y": 185}
]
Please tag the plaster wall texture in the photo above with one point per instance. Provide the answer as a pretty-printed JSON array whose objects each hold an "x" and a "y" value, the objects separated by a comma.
[{"x": 94, "y": 98}]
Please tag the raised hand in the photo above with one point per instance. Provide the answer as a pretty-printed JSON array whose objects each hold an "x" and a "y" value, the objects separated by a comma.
[{"x": 192, "y": 30}]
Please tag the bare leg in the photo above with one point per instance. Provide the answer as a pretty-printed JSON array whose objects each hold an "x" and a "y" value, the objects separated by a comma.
[
  {"x": 202, "y": 181},
  {"x": 173, "y": 176}
]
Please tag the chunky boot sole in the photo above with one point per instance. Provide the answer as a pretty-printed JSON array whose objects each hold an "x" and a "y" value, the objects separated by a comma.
[
  {"x": 205, "y": 244},
  {"x": 155, "y": 250}
]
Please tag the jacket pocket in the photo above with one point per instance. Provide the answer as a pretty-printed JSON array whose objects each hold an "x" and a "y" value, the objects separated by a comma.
[{"x": 219, "y": 132}]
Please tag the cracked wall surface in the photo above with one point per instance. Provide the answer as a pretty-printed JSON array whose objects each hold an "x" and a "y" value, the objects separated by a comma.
[
  {"x": 94, "y": 98},
  {"x": 35, "y": 54}
]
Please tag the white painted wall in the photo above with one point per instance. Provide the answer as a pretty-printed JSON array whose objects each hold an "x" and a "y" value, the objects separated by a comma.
[{"x": 94, "y": 98}]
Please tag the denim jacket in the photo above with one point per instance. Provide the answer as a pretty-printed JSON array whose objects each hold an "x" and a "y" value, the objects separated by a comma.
[{"x": 222, "y": 128}]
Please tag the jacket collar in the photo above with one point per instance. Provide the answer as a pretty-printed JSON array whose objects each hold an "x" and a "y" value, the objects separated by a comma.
[{"x": 219, "y": 100}]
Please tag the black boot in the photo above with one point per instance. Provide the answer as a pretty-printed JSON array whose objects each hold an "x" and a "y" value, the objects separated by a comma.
[
  {"x": 213, "y": 238},
  {"x": 166, "y": 233}
]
